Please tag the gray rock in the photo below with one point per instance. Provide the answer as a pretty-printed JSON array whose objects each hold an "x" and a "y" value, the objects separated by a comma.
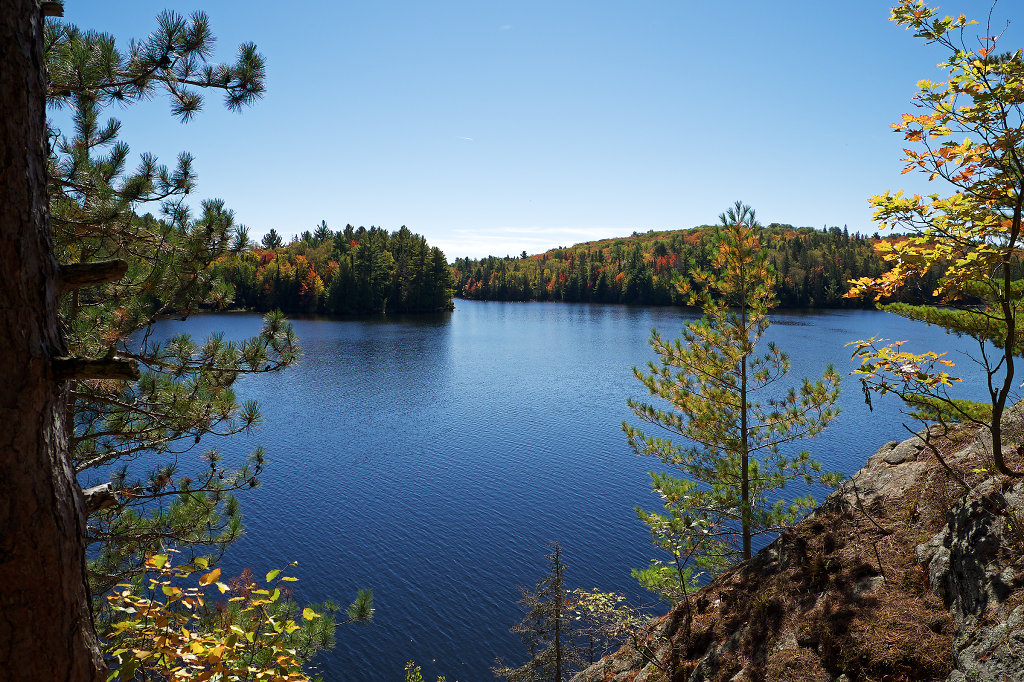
[
  {"x": 903, "y": 452},
  {"x": 926, "y": 550},
  {"x": 708, "y": 665},
  {"x": 938, "y": 574},
  {"x": 969, "y": 570},
  {"x": 879, "y": 482},
  {"x": 868, "y": 583},
  {"x": 975, "y": 448},
  {"x": 934, "y": 556},
  {"x": 786, "y": 641},
  {"x": 882, "y": 452}
]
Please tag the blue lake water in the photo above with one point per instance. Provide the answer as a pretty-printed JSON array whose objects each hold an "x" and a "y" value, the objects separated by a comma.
[{"x": 433, "y": 458}]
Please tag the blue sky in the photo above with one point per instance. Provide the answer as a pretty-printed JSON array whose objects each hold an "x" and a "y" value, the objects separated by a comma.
[{"x": 494, "y": 127}]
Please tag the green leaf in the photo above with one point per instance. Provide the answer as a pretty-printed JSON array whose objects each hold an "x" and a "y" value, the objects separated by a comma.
[{"x": 272, "y": 574}]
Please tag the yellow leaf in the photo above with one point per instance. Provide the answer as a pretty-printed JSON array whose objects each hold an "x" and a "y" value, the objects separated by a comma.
[
  {"x": 309, "y": 614},
  {"x": 210, "y": 577}
]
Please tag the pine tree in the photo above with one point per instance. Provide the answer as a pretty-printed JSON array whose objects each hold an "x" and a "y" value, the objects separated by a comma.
[
  {"x": 46, "y": 632},
  {"x": 241, "y": 243},
  {"x": 321, "y": 234},
  {"x": 731, "y": 449},
  {"x": 546, "y": 629},
  {"x": 969, "y": 134},
  {"x": 129, "y": 395},
  {"x": 272, "y": 240}
]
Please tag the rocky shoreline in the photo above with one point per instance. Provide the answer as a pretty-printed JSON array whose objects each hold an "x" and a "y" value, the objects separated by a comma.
[{"x": 902, "y": 573}]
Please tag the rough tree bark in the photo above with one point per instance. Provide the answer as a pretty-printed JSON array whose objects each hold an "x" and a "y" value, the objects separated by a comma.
[{"x": 46, "y": 629}]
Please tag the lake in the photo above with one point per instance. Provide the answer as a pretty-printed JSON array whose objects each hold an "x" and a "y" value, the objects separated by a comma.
[{"x": 433, "y": 458}]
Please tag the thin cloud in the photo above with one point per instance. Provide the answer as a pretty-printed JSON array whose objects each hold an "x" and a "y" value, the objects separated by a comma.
[
  {"x": 505, "y": 27},
  {"x": 467, "y": 139},
  {"x": 513, "y": 240},
  {"x": 546, "y": 233}
]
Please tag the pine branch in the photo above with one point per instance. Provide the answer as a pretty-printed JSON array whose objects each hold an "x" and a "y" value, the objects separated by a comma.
[
  {"x": 78, "y": 275},
  {"x": 71, "y": 368}
]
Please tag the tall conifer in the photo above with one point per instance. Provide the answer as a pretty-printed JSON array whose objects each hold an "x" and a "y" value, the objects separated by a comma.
[
  {"x": 731, "y": 448},
  {"x": 129, "y": 395},
  {"x": 546, "y": 629}
]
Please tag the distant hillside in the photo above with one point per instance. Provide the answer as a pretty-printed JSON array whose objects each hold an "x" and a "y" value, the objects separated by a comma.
[{"x": 813, "y": 268}]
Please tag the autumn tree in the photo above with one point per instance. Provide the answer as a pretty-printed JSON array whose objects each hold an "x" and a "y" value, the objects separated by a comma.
[
  {"x": 813, "y": 268},
  {"x": 969, "y": 133},
  {"x": 603, "y": 622},
  {"x": 172, "y": 626},
  {"x": 731, "y": 446}
]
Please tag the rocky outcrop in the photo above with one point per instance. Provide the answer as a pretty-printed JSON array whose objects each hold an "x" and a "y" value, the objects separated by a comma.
[
  {"x": 901, "y": 574},
  {"x": 975, "y": 565}
]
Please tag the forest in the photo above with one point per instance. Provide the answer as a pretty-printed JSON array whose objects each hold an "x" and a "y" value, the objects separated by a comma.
[
  {"x": 813, "y": 268},
  {"x": 357, "y": 271},
  {"x": 348, "y": 272}
]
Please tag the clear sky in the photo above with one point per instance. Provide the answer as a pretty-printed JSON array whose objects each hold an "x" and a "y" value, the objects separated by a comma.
[{"x": 493, "y": 127}]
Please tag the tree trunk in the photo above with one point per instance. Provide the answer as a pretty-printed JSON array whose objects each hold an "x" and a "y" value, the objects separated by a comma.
[
  {"x": 744, "y": 427},
  {"x": 46, "y": 629},
  {"x": 1001, "y": 394}
]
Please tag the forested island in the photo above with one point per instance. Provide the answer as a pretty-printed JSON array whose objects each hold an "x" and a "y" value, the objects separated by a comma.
[
  {"x": 813, "y": 268},
  {"x": 349, "y": 272}
]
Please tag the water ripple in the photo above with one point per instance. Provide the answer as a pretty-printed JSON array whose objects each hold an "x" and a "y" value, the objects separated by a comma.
[{"x": 433, "y": 460}]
